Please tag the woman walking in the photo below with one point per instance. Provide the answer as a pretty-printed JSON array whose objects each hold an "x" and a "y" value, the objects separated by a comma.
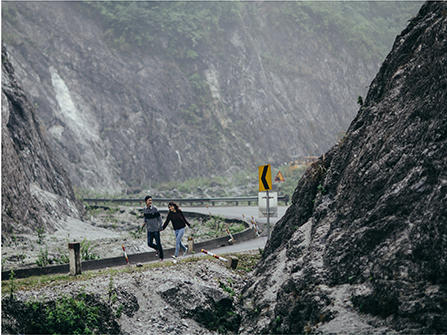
[{"x": 179, "y": 223}]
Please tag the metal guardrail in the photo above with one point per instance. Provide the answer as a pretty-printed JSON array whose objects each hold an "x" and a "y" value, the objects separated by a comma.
[
  {"x": 213, "y": 201},
  {"x": 143, "y": 257}
]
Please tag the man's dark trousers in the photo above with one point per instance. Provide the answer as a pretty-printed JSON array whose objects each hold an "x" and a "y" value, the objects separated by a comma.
[{"x": 150, "y": 239}]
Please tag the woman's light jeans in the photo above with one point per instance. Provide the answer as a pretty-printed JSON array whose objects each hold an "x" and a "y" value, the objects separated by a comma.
[{"x": 178, "y": 240}]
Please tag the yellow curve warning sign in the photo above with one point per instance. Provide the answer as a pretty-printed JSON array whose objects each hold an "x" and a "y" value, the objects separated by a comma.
[{"x": 265, "y": 178}]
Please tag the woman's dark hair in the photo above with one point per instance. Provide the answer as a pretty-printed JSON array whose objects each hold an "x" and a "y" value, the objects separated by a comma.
[{"x": 173, "y": 204}]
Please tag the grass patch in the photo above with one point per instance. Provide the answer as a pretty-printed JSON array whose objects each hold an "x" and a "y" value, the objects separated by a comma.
[{"x": 247, "y": 262}]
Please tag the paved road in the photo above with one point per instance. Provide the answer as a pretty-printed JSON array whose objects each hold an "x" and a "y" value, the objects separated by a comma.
[{"x": 236, "y": 212}]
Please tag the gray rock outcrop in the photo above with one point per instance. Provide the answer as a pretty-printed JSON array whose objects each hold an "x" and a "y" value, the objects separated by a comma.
[
  {"x": 363, "y": 247},
  {"x": 205, "y": 304},
  {"x": 262, "y": 90},
  {"x": 36, "y": 192}
]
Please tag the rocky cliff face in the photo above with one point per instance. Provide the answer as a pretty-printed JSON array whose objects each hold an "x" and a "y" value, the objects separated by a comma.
[
  {"x": 363, "y": 247},
  {"x": 36, "y": 191},
  {"x": 116, "y": 119}
]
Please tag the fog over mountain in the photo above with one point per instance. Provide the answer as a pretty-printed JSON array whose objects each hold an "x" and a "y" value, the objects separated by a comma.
[{"x": 128, "y": 94}]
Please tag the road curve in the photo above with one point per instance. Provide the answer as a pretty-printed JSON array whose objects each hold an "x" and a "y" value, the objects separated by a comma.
[{"x": 236, "y": 212}]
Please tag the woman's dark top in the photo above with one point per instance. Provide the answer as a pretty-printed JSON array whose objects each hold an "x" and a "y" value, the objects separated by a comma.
[{"x": 178, "y": 220}]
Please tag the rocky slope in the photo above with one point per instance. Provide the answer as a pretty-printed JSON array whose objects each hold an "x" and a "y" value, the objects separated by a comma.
[
  {"x": 363, "y": 247},
  {"x": 36, "y": 193},
  {"x": 189, "y": 297},
  {"x": 117, "y": 116}
]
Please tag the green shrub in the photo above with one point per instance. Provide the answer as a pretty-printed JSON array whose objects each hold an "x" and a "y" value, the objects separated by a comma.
[
  {"x": 67, "y": 315},
  {"x": 42, "y": 258},
  {"x": 86, "y": 250},
  {"x": 12, "y": 284}
]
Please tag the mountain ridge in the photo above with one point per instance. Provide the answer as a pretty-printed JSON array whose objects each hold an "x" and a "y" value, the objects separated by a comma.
[{"x": 256, "y": 91}]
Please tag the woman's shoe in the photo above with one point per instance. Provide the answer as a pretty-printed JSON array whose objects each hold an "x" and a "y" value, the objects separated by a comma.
[
  {"x": 174, "y": 256},
  {"x": 185, "y": 252}
]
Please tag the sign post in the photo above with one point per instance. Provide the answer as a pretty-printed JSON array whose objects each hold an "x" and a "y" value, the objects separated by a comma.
[
  {"x": 273, "y": 204},
  {"x": 265, "y": 184}
]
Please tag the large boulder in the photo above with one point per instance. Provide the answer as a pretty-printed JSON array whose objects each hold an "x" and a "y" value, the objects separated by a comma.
[
  {"x": 363, "y": 247},
  {"x": 206, "y": 304}
]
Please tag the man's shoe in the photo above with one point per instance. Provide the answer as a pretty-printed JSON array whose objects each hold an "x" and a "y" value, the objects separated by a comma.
[
  {"x": 185, "y": 252},
  {"x": 161, "y": 259},
  {"x": 157, "y": 253}
]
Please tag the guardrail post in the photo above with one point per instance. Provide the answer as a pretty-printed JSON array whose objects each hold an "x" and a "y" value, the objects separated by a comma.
[
  {"x": 232, "y": 262},
  {"x": 74, "y": 256},
  {"x": 191, "y": 244}
]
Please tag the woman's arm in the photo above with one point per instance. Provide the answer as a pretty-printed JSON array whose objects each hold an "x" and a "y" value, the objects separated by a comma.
[
  {"x": 168, "y": 218},
  {"x": 184, "y": 219}
]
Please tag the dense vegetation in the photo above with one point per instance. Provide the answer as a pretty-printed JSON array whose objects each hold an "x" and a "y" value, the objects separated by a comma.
[
  {"x": 369, "y": 26},
  {"x": 184, "y": 28}
]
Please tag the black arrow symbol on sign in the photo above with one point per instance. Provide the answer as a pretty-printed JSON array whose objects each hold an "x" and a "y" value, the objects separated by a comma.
[{"x": 264, "y": 181}]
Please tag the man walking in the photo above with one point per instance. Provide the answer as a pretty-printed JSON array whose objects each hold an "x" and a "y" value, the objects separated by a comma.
[{"x": 152, "y": 219}]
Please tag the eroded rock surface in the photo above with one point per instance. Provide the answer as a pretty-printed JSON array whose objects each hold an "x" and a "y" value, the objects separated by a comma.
[
  {"x": 36, "y": 192},
  {"x": 208, "y": 305},
  {"x": 118, "y": 119},
  {"x": 363, "y": 248}
]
